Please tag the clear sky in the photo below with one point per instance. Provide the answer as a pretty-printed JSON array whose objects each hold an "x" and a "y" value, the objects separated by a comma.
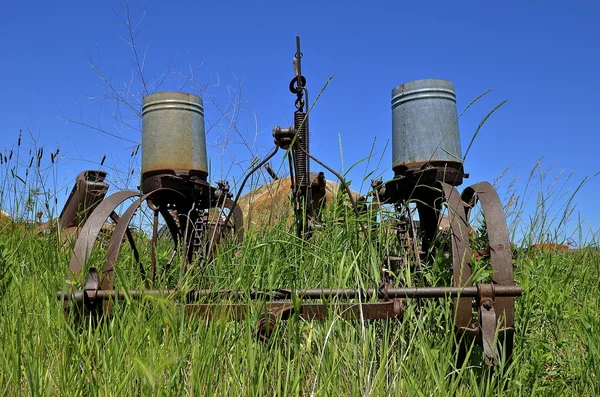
[{"x": 543, "y": 56}]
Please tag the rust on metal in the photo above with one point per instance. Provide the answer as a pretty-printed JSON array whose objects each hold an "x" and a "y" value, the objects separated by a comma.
[
  {"x": 89, "y": 190},
  {"x": 307, "y": 311},
  {"x": 282, "y": 294},
  {"x": 499, "y": 242},
  {"x": 488, "y": 323},
  {"x": 91, "y": 229},
  {"x": 461, "y": 252}
]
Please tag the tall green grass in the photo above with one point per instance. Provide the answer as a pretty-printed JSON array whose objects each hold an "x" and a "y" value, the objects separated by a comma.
[
  {"x": 150, "y": 348},
  {"x": 28, "y": 184}
]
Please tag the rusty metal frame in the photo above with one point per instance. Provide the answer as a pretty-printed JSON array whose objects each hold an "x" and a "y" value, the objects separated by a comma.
[{"x": 279, "y": 305}]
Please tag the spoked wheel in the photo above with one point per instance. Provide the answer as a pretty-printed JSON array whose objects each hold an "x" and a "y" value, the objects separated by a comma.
[
  {"x": 145, "y": 217},
  {"x": 495, "y": 316},
  {"x": 487, "y": 320},
  {"x": 91, "y": 251},
  {"x": 84, "y": 249},
  {"x": 501, "y": 316},
  {"x": 135, "y": 251}
]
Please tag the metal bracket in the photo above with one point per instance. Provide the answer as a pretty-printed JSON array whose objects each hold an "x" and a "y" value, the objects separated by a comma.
[
  {"x": 269, "y": 319},
  {"x": 92, "y": 284},
  {"x": 488, "y": 322}
]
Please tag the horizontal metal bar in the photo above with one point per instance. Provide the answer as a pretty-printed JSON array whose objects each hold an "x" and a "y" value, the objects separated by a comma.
[
  {"x": 389, "y": 293},
  {"x": 308, "y": 311}
]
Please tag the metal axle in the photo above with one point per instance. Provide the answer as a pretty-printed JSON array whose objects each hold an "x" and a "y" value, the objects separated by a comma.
[{"x": 389, "y": 293}]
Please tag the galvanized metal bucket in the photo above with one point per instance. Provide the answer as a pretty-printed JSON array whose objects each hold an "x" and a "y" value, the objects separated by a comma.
[
  {"x": 173, "y": 137},
  {"x": 425, "y": 125}
]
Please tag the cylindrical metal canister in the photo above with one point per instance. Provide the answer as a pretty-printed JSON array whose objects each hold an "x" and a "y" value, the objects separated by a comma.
[
  {"x": 173, "y": 137},
  {"x": 425, "y": 125}
]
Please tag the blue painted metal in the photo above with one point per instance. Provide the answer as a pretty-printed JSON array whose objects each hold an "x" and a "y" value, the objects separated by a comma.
[
  {"x": 425, "y": 125},
  {"x": 173, "y": 136}
]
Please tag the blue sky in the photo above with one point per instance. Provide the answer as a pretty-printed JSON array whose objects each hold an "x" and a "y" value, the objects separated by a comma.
[{"x": 542, "y": 56}]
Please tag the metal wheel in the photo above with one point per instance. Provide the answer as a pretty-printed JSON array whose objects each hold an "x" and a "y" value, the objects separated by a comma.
[
  {"x": 134, "y": 251},
  {"x": 494, "y": 326},
  {"x": 500, "y": 257}
]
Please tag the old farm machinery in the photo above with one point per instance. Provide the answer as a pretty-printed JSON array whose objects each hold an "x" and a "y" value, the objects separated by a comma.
[{"x": 428, "y": 167}]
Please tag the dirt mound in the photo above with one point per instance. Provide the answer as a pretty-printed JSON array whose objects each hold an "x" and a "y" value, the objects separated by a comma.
[{"x": 271, "y": 203}]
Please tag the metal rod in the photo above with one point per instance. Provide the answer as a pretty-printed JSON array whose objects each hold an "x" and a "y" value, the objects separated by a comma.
[
  {"x": 391, "y": 293},
  {"x": 271, "y": 172},
  {"x": 252, "y": 171}
]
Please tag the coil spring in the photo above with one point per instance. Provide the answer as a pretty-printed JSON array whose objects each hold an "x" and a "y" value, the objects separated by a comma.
[{"x": 300, "y": 158}]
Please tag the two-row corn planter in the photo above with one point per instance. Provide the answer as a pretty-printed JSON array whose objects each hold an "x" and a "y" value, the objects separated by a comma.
[{"x": 427, "y": 163}]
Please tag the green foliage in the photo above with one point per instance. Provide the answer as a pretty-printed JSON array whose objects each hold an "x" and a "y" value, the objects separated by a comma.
[{"x": 151, "y": 348}]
